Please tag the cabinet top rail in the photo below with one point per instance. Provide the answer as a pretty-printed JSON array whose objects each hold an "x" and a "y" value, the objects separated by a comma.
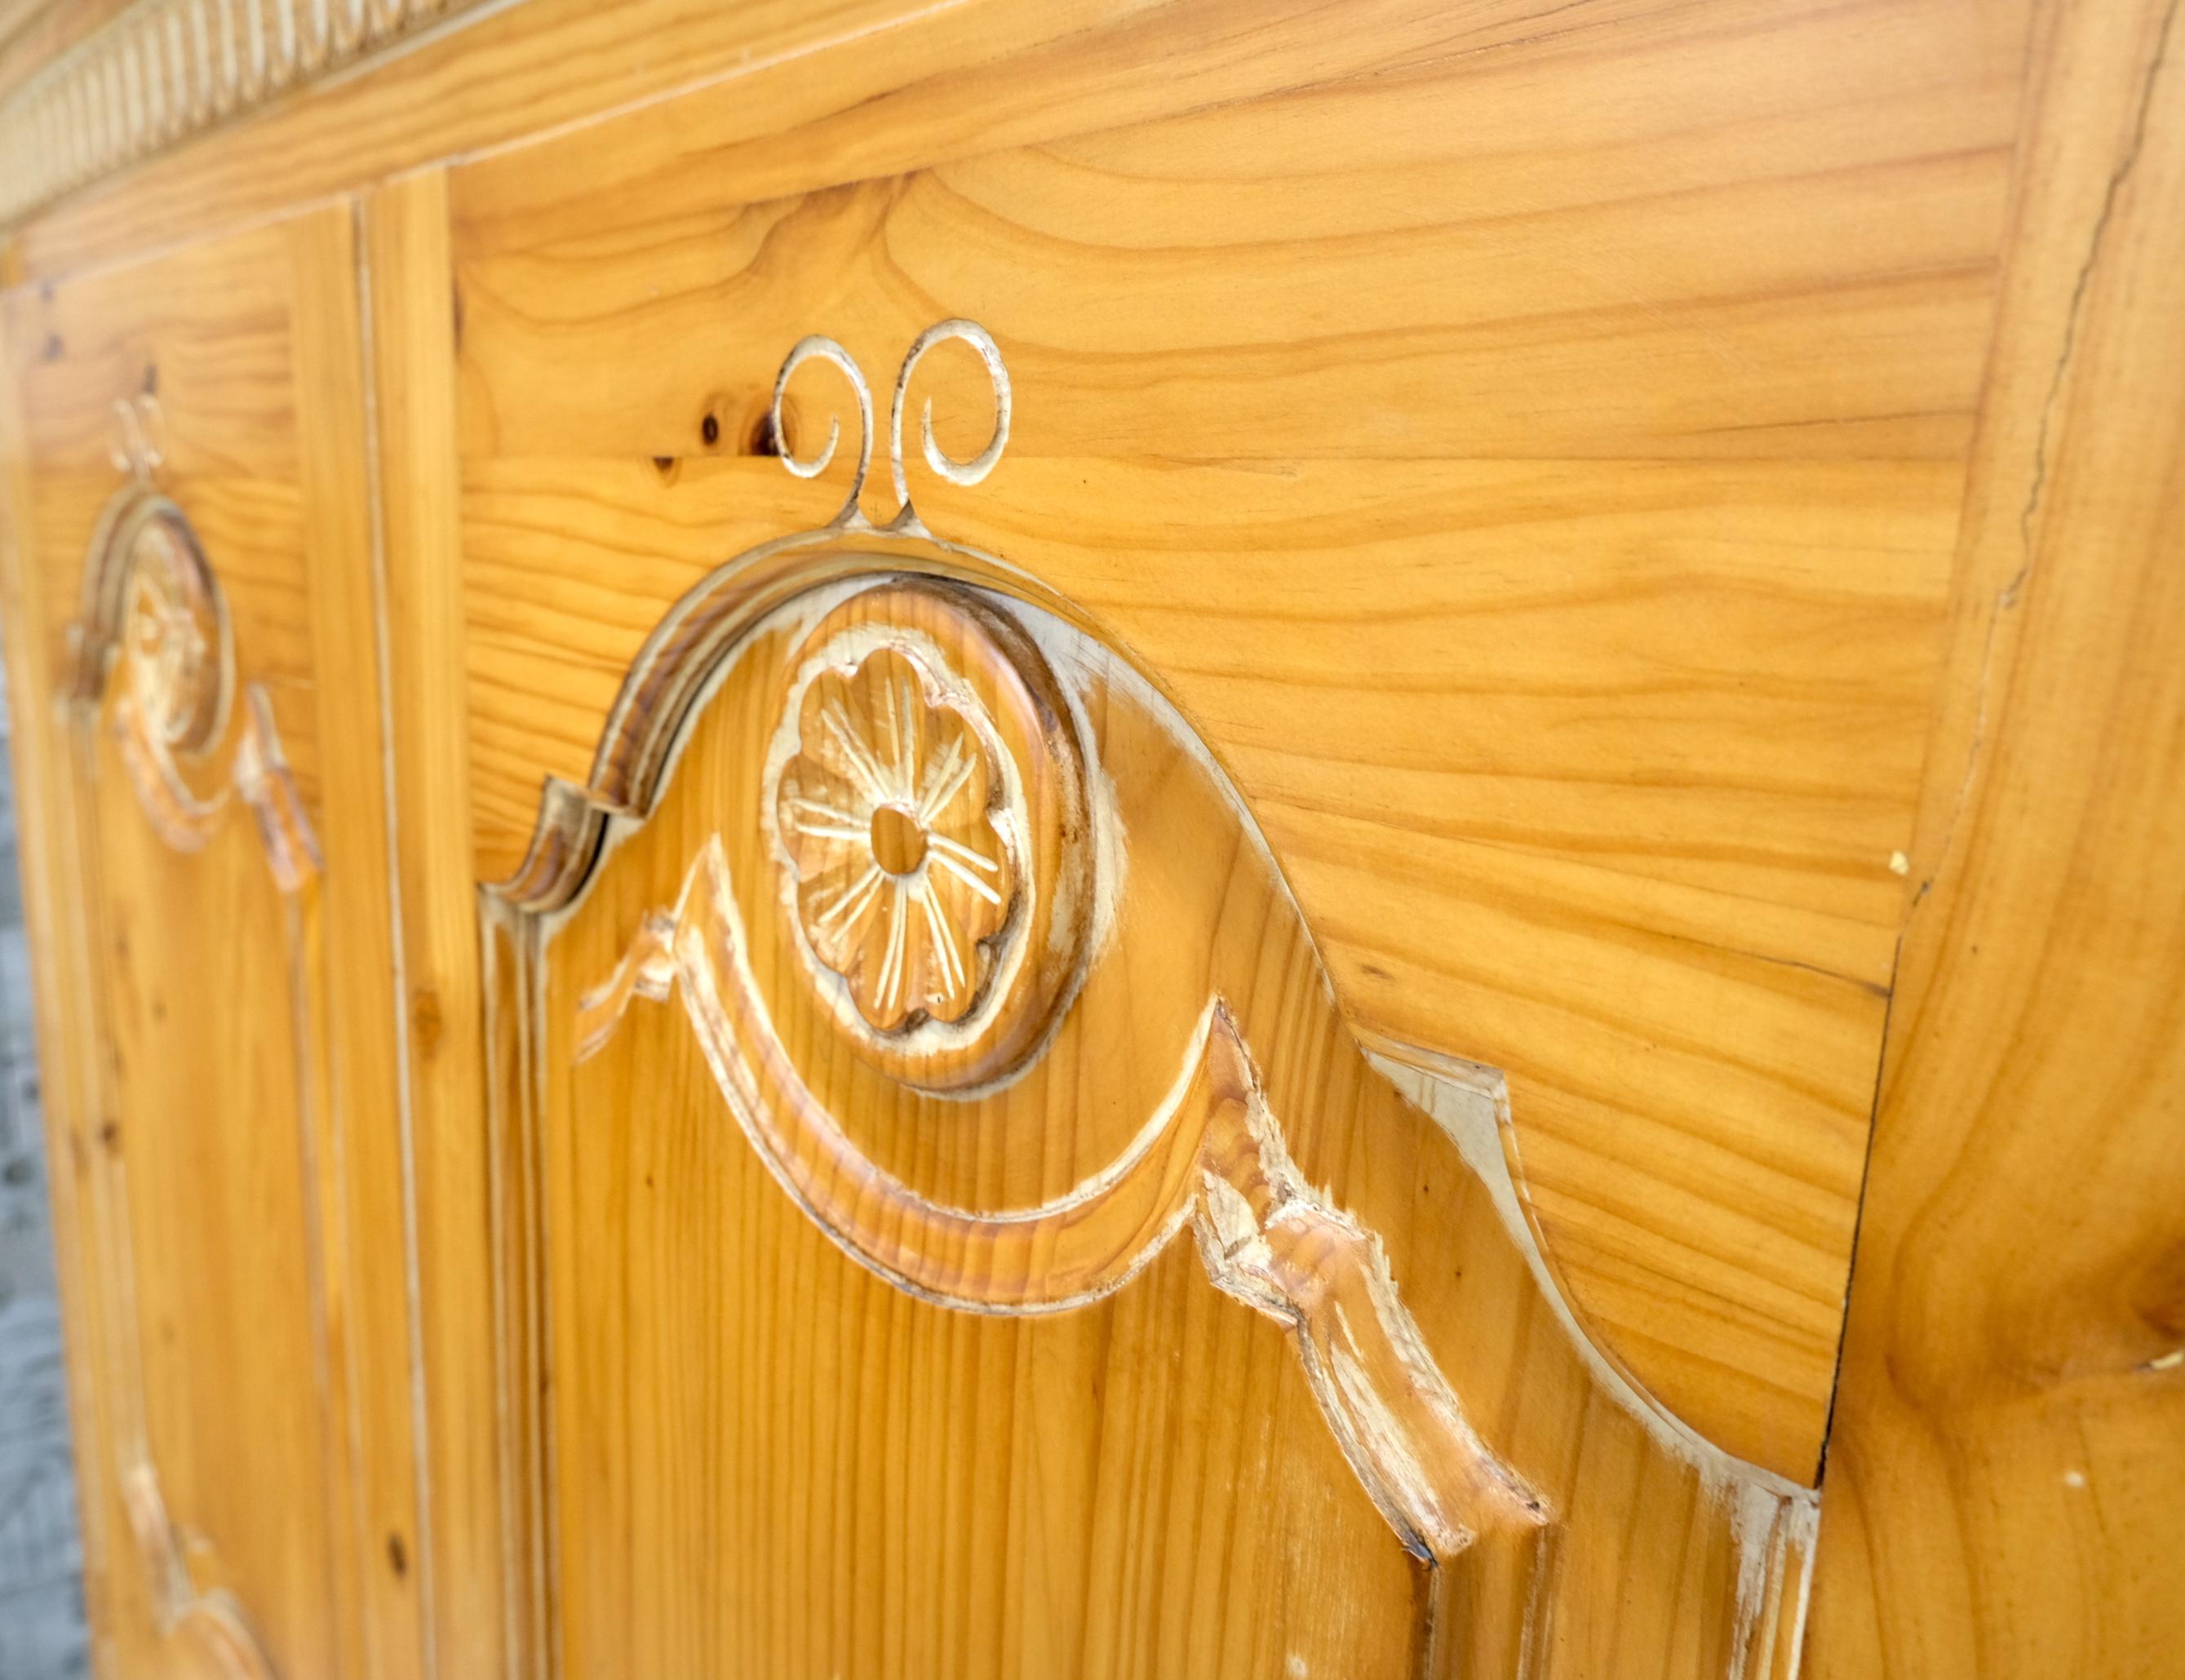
[{"x": 84, "y": 96}]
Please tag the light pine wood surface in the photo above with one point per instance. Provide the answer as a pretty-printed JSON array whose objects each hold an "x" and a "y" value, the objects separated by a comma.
[
  {"x": 39, "y": 762},
  {"x": 1618, "y": 557},
  {"x": 215, "y": 1018},
  {"x": 1560, "y": 578},
  {"x": 33, "y": 33},
  {"x": 1069, "y": 1422},
  {"x": 467, "y": 1460},
  {"x": 2009, "y": 1437}
]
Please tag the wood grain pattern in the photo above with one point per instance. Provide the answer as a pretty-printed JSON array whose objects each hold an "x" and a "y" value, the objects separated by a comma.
[
  {"x": 227, "y": 1002},
  {"x": 371, "y": 1174},
  {"x": 46, "y": 825},
  {"x": 1545, "y": 516},
  {"x": 215, "y": 1338},
  {"x": 493, "y": 79},
  {"x": 1583, "y": 526},
  {"x": 214, "y": 1224},
  {"x": 1073, "y": 1450},
  {"x": 498, "y": 79},
  {"x": 468, "y": 1462},
  {"x": 2008, "y": 1461}
]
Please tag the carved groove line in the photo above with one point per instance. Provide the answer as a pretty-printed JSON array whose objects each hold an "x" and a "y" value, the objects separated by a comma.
[{"x": 1212, "y": 1159}]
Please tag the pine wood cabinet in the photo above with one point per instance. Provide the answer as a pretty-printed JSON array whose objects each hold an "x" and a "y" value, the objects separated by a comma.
[{"x": 1173, "y": 840}]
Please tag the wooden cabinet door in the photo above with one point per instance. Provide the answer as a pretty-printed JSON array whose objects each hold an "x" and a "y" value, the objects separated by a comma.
[
  {"x": 999, "y": 1259},
  {"x": 1016, "y": 842},
  {"x": 192, "y": 648},
  {"x": 1474, "y": 502}
]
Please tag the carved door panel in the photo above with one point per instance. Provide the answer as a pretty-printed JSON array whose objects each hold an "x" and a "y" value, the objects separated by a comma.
[
  {"x": 190, "y": 651},
  {"x": 1475, "y": 509},
  {"x": 1505, "y": 584},
  {"x": 973, "y": 1242},
  {"x": 893, "y": 841}
]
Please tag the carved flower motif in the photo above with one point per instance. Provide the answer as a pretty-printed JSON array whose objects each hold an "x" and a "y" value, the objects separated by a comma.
[
  {"x": 168, "y": 636},
  {"x": 884, "y": 810}
]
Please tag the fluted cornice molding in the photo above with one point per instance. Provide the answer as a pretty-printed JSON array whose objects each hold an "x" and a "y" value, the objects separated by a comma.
[{"x": 164, "y": 70}]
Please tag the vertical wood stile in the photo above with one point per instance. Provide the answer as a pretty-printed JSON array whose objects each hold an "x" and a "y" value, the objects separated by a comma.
[
  {"x": 466, "y": 1460},
  {"x": 2007, "y": 1465},
  {"x": 364, "y": 1165},
  {"x": 52, "y": 897}
]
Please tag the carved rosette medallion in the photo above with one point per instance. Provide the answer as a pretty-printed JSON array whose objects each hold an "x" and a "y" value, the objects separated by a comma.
[
  {"x": 929, "y": 808},
  {"x": 902, "y": 879}
]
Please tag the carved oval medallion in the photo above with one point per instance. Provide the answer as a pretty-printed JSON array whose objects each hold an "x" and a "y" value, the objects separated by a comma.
[
  {"x": 172, "y": 638},
  {"x": 929, "y": 814},
  {"x": 154, "y": 636}
]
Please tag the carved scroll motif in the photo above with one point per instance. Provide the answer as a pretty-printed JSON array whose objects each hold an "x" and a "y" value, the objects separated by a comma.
[
  {"x": 1212, "y": 1159},
  {"x": 819, "y": 348},
  {"x": 915, "y": 859},
  {"x": 155, "y": 634}
]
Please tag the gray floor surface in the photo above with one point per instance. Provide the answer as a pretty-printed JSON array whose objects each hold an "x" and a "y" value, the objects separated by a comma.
[{"x": 42, "y": 1628}]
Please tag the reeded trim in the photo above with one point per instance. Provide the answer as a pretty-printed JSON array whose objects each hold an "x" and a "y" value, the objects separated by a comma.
[{"x": 165, "y": 70}]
